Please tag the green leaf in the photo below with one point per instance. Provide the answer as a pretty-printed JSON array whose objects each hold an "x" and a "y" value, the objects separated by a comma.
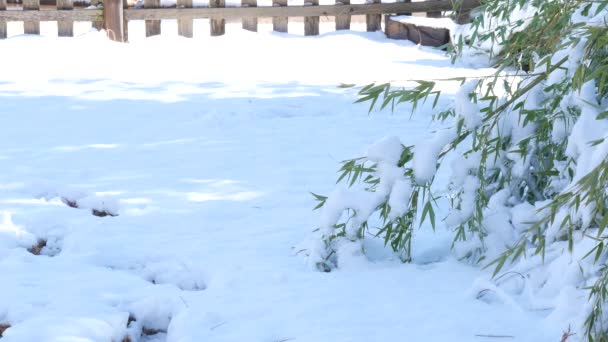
[{"x": 603, "y": 115}]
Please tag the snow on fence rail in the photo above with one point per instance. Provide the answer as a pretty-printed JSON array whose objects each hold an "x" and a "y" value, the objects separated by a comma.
[{"x": 115, "y": 15}]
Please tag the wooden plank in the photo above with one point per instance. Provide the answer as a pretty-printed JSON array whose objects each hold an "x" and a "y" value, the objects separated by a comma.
[
  {"x": 280, "y": 24},
  {"x": 423, "y": 35},
  {"x": 185, "y": 26},
  {"x": 114, "y": 20},
  {"x": 217, "y": 22},
  {"x": 152, "y": 25},
  {"x": 374, "y": 20},
  {"x": 433, "y": 14},
  {"x": 31, "y": 26},
  {"x": 343, "y": 20},
  {"x": 250, "y": 24},
  {"x": 3, "y": 32},
  {"x": 405, "y": 13},
  {"x": 65, "y": 28},
  {"x": 293, "y": 11},
  {"x": 311, "y": 23},
  {"x": 235, "y": 12},
  {"x": 52, "y": 15}
]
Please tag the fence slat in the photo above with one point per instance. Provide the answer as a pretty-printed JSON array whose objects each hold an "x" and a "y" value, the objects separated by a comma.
[
  {"x": 280, "y": 24},
  {"x": 65, "y": 28},
  {"x": 343, "y": 21},
  {"x": 113, "y": 13},
  {"x": 311, "y": 24},
  {"x": 31, "y": 27},
  {"x": 152, "y": 26},
  {"x": 2, "y": 21},
  {"x": 185, "y": 26},
  {"x": 250, "y": 24},
  {"x": 218, "y": 25},
  {"x": 374, "y": 21},
  {"x": 125, "y": 21}
]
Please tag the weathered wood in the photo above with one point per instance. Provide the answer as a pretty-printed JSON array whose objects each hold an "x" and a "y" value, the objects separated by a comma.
[
  {"x": 152, "y": 25},
  {"x": 3, "y": 32},
  {"x": 280, "y": 24},
  {"x": 250, "y": 24},
  {"x": 31, "y": 26},
  {"x": 113, "y": 12},
  {"x": 185, "y": 26},
  {"x": 125, "y": 21},
  {"x": 311, "y": 24},
  {"x": 65, "y": 28},
  {"x": 234, "y": 12},
  {"x": 374, "y": 21},
  {"x": 423, "y": 35},
  {"x": 433, "y": 14},
  {"x": 343, "y": 20},
  {"x": 218, "y": 23},
  {"x": 405, "y": 13},
  {"x": 52, "y": 15},
  {"x": 292, "y": 11}
]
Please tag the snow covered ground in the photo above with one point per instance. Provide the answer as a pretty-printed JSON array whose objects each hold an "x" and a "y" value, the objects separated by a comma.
[{"x": 206, "y": 151}]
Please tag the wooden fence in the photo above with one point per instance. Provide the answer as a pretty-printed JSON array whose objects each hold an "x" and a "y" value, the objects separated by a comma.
[{"x": 115, "y": 15}]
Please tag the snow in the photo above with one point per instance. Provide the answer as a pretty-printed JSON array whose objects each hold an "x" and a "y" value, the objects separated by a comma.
[
  {"x": 206, "y": 154},
  {"x": 465, "y": 108},
  {"x": 387, "y": 150},
  {"x": 426, "y": 153}
]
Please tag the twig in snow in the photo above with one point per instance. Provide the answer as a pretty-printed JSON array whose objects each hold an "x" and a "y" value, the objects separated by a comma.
[
  {"x": 567, "y": 335},
  {"x": 495, "y": 336},
  {"x": 184, "y": 301},
  {"x": 217, "y": 326}
]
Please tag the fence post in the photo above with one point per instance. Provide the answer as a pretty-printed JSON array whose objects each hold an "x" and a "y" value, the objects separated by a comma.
[
  {"x": 2, "y": 22},
  {"x": 218, "y": 25},
  {"x": 31, "y": 27},
  {"x": 114, "y": 16},
  {"x": 65, "y": 28},
  {"x": 311, "y": 24},
  {"x": 250, "y": 24},
  {"x": 374, "y": 21},
  {"x": 343, "y": 20},
  {"x": 185, "y": 25},
  {"x": 279, "y": 24},
  {"x": 152, "y": 26}
]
